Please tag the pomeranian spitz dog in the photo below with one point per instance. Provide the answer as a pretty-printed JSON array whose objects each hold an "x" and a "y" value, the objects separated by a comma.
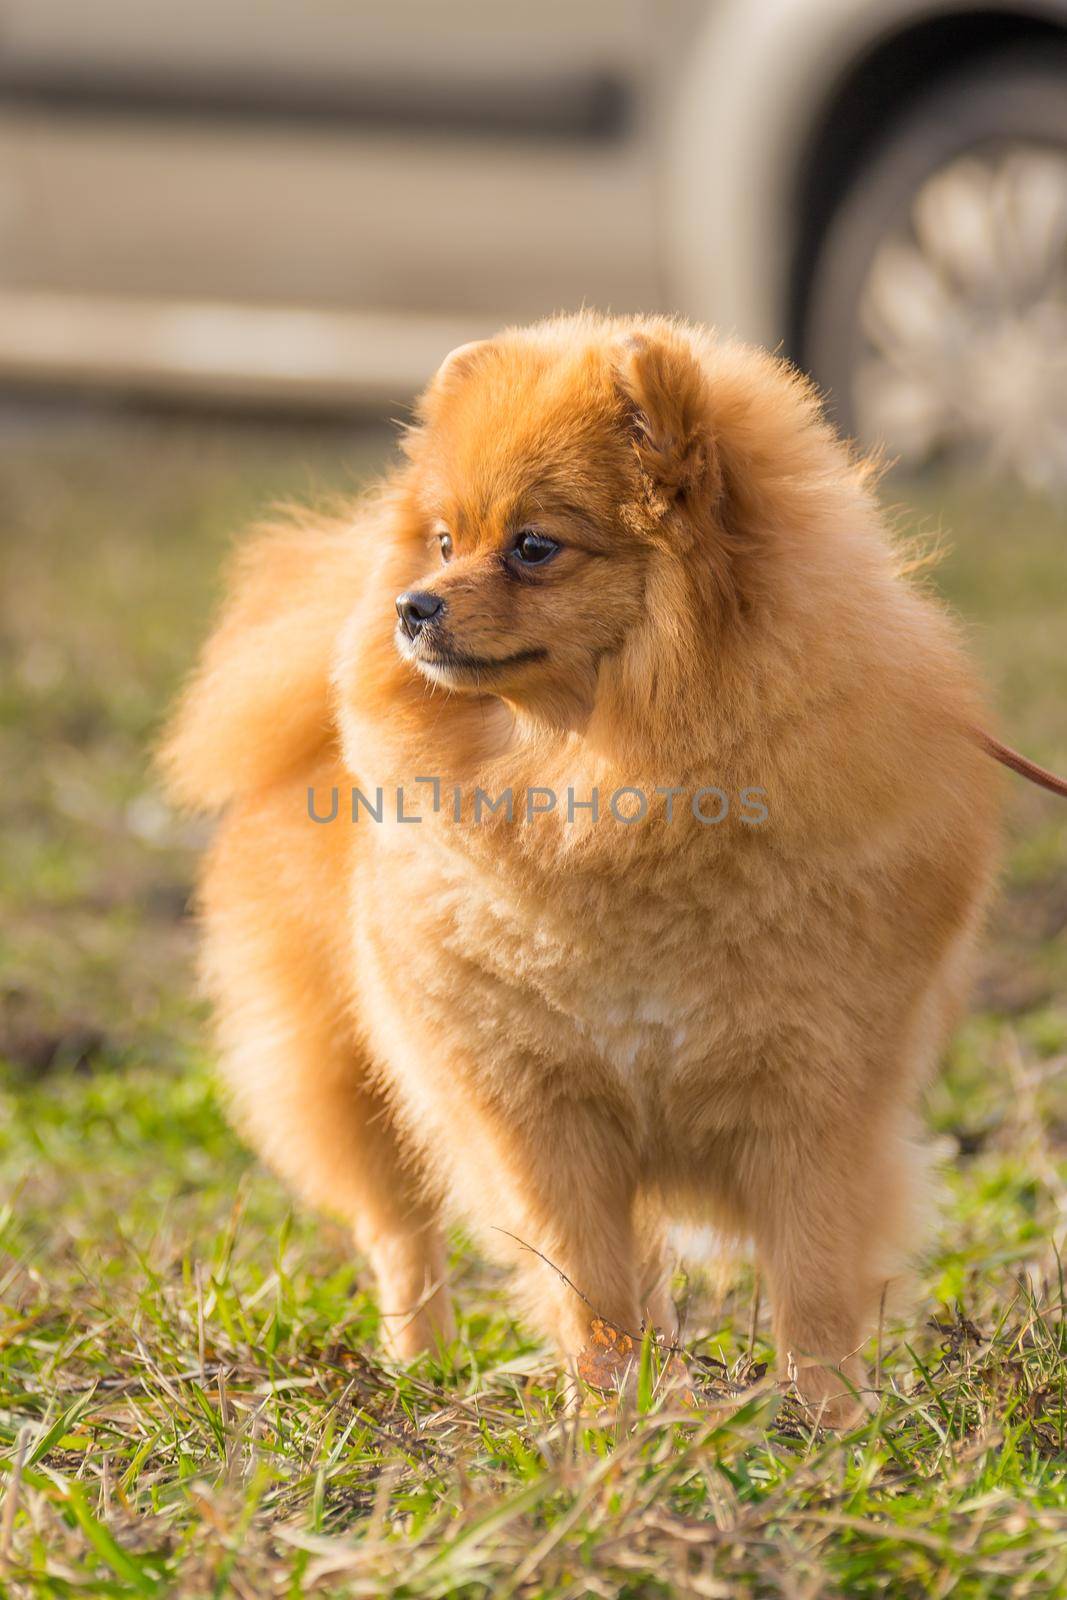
[{"x": 480, "y": 934}]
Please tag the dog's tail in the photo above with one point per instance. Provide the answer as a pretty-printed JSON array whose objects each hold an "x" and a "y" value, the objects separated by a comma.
[
  {"x": 1026, "y": 769},
  {"x": 257, "y": 708}
]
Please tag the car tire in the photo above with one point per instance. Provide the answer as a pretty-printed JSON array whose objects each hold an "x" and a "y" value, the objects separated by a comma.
[{"x": 942, "y": 386}]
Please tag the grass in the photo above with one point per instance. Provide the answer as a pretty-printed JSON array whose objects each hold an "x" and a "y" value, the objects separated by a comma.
[{"x": 191, "y": 1398}]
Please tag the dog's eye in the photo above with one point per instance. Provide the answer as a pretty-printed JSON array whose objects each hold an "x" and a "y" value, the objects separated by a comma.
[
  {"x": 444, "y": 541},
  {"x": 532, "y": 548}
]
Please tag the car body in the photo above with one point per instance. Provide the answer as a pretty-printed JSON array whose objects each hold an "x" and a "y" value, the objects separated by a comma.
[{"x": 313, "y": 200}]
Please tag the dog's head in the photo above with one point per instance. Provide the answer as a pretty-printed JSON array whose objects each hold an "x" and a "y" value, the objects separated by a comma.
[{"x": 559, "y": 476}]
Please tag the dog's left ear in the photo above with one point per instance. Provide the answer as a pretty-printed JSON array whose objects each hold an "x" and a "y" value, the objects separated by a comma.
[
  {"x": 667, "y": 409},
  {"x": 457, "y": 365}
]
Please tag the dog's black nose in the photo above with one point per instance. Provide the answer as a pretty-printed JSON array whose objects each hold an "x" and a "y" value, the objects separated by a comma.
[{"x": 416, "y": 608}]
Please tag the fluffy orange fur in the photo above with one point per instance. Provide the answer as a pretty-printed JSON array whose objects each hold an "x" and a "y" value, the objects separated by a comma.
[{"x": 570, "y": 1031}]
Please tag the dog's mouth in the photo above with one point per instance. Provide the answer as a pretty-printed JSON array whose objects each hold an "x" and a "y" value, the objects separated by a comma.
[{"x": 444, "y": 663}]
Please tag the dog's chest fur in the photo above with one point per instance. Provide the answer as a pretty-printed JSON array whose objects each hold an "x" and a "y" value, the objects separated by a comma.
[
  {"x": 626, "y": 974},
  {"x": 613, "y": 981}
]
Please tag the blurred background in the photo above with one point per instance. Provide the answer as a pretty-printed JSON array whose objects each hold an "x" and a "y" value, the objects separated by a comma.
[
  {"x": 308, "y": 202},
  {"x": 236, "y": 237}
]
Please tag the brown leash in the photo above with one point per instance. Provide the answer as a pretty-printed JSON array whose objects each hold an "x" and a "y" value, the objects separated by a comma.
[{"x": 1026, "y": 769}]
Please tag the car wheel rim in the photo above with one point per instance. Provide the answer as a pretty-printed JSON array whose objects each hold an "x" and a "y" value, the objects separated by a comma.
[{"x": 963, "y": 319}]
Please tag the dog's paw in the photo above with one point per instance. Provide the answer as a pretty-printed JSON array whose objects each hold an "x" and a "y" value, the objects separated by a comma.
[
  {"x": 837, "y": 1398},
  {"x": 607, "y": 1359},
  {"x": 609, "y": 1363}
]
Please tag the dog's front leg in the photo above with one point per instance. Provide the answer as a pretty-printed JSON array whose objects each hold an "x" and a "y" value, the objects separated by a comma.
[
  {"x": 562, "y": 1186},
  {"x": 829, "y": 1209}
]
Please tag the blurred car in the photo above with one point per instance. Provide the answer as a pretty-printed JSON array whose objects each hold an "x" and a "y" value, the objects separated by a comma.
[{"x": 313, "y": 200}]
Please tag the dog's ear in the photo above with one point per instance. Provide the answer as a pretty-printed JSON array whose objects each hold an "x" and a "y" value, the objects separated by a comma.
[
  {"x": 458, "y": 364},
  {"x": 666, "y": 410}
]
